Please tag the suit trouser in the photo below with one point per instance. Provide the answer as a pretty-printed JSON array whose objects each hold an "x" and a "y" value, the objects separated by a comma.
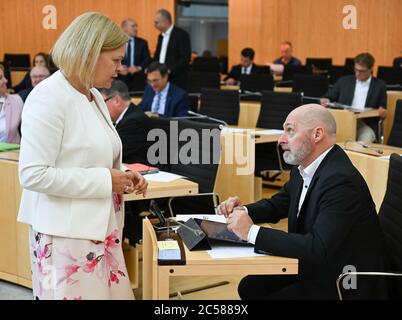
[{"x": 279, "y": 287}]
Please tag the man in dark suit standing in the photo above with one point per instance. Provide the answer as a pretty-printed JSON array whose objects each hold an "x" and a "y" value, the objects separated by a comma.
[
  {"x": 136, "y": 59},
  {"x": 161, "y": 97},
  {"x": 130, "y": 121},
  {"x": 361, "y": 91},
  {"x": 173, "y": 48},
  {"x": 246, "y": 66},
  {"x": 332, "y": 227}
]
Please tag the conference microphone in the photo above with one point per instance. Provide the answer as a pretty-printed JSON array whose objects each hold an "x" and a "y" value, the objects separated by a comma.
[
  {"x": 203, "y": 116},
  {"x": 195, "y": 231},
  {"x": 366, "y": 146},
  {"x": 250, "y": 93}
]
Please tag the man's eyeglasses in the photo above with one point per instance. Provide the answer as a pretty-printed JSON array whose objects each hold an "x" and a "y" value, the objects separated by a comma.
[
  {"x": 108, "y": 98},
  {"x": 361, "y": 70}
]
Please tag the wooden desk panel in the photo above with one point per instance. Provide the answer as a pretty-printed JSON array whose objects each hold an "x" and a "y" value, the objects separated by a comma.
[{"x": 198, "y": 263}]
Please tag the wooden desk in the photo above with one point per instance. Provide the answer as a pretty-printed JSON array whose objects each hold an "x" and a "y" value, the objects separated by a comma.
[
  {"x": 392, "y": 97},
  {"x": 198, "y": 263},
  {"x": 373, "y": 168},
  {"x": 14, "y": 250},
  {"x": 136, "y": 100}
]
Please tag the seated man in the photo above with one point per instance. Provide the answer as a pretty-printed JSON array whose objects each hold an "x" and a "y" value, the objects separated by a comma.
[
  {"x": 285, "y": 59},
  {"x": 162, "y": 98},
  {"x": 37, "y": 74},
  {"x": 361, "y": 91},
  {"x": 332, "y": 226},
  {"x": 246, "y": 66},
  {"x": 130, "y": 121}
]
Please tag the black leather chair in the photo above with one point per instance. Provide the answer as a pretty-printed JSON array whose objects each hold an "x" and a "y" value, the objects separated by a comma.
[
  {"x": 17, "y": 61},
  {"x": 350, "y": 63},
  {"x": 275, "y": 107},
  {"x": 395, "y": 136},
  {"x": 319, "y": 64},
  {"x": 257, "y": 82},
  {"x": 310, "y": 85},
  {"x": 202, "y": 168},
  {"x": 221, "y": 104},
  {"x": 199, "y": 80},
  {"x": 339, "y": 71},
  {"x": 206, "y": 64},
  {"x": 391, "y": 75},
  {"x": 390, "y": 216},
  {"x": 397, "y": 62},
  {"x": 289, "y": 71}
]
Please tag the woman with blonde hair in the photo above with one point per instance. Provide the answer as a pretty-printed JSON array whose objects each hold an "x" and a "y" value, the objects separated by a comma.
[{"x": 70, "y": 169}]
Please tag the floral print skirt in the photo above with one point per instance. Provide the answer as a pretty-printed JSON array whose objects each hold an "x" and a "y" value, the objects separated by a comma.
[{"x": 78, "y": 269}]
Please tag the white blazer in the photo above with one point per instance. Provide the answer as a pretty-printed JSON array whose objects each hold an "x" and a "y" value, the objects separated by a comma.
[{"x": 64, "y": 162}]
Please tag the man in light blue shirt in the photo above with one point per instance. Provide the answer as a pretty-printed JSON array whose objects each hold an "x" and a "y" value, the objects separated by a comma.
[{"x": 162, "y": 98}]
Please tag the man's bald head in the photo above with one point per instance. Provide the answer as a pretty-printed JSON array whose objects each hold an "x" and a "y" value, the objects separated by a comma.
[
  {"x": 313, "y": 115},
  {"x": 130, "y": 27}
]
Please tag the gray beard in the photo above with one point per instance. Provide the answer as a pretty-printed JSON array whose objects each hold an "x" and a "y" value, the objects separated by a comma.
[{"x": 295, "y": 157}]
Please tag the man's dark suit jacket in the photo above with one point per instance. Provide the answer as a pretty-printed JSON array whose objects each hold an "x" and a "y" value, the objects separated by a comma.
[
  {"x": 344, "y": 89},
  {"x": 133, "y": 129},
  {"x": 177, "y": 102},
  {"x": 142, "y": 56},
  {"x": 178, "y": 55},
  {"x": 337, "y": 226},
  {"x": 235, "y": 72}
]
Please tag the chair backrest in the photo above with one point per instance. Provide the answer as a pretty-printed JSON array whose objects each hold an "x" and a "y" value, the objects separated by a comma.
[
  {"x": 275, "y": 107},
  {"x": 289, "y": 71},
  {"x": 310, "y": 85},
  {"x": 257, "y": 82},
  {"x": 397, "y": 62},
  {"x": 221, "y": 104},
  {"x": 395, "y": 136},
  {"x": 319, "y": 63},
  {"x": 199, "y": 80},
  {"x": 199, "y": 143},
  {"x": 390, "y": 216},
  {"x": 206, "y": 64},
  {"x": 350, "y": 62},
  {"x": 339, "y": 71},
  {"x": 390, "y": 75},
  {"x": 17, "y": 60},
  {"x": 199, "y": 156}
]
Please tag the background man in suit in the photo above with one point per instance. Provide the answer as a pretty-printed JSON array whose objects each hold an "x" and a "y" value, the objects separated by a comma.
[
  {"x": 130, "y": 121},
  {"x": 332, "y": 219},
  {"x": 246, "y": 66},
  {"x": 173, "y": 48},
  {"x": 136, "y": 59},
  {"x": 361, "y": 91},
  {"x": 162, "y": 98},
  {"x": 37, "y": 74}
]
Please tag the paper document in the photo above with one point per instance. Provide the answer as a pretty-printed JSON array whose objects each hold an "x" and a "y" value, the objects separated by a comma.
[
  {"x": 168, "y": 250},
  {"x": 210, "y": 217},
  {"x": 234, "y": 130},
  {"x": 162, "y": 176},
  {"x": 269, "y": 132},
  {"x": 227, "y": 252}
]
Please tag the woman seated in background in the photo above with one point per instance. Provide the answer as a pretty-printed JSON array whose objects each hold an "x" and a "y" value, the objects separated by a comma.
[
  {"x": 10, "y": 112},
  {"x": 40, "y": 59}
]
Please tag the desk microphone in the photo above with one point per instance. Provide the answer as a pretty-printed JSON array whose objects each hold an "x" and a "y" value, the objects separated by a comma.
[
  {"x": 195, "y": 231},
  {"x": 207, "y": 117},
  {"x": 379, "y": 151}
]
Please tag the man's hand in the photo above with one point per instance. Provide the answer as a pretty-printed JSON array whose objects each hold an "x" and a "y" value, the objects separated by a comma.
[
  {"x": 226, "y": 207},
  {"x": 230, "y": 81},
  {"x": 382, "y": 112},
  {"x": 124, "y": 70},
  {"x": 134, "y": 69},
  {"x": 240, "y": 223},
  {"x": 324, "y": 102}
]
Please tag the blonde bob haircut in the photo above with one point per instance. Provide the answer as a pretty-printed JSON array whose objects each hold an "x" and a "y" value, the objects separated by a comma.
[{"x": 77, "y": 50}]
